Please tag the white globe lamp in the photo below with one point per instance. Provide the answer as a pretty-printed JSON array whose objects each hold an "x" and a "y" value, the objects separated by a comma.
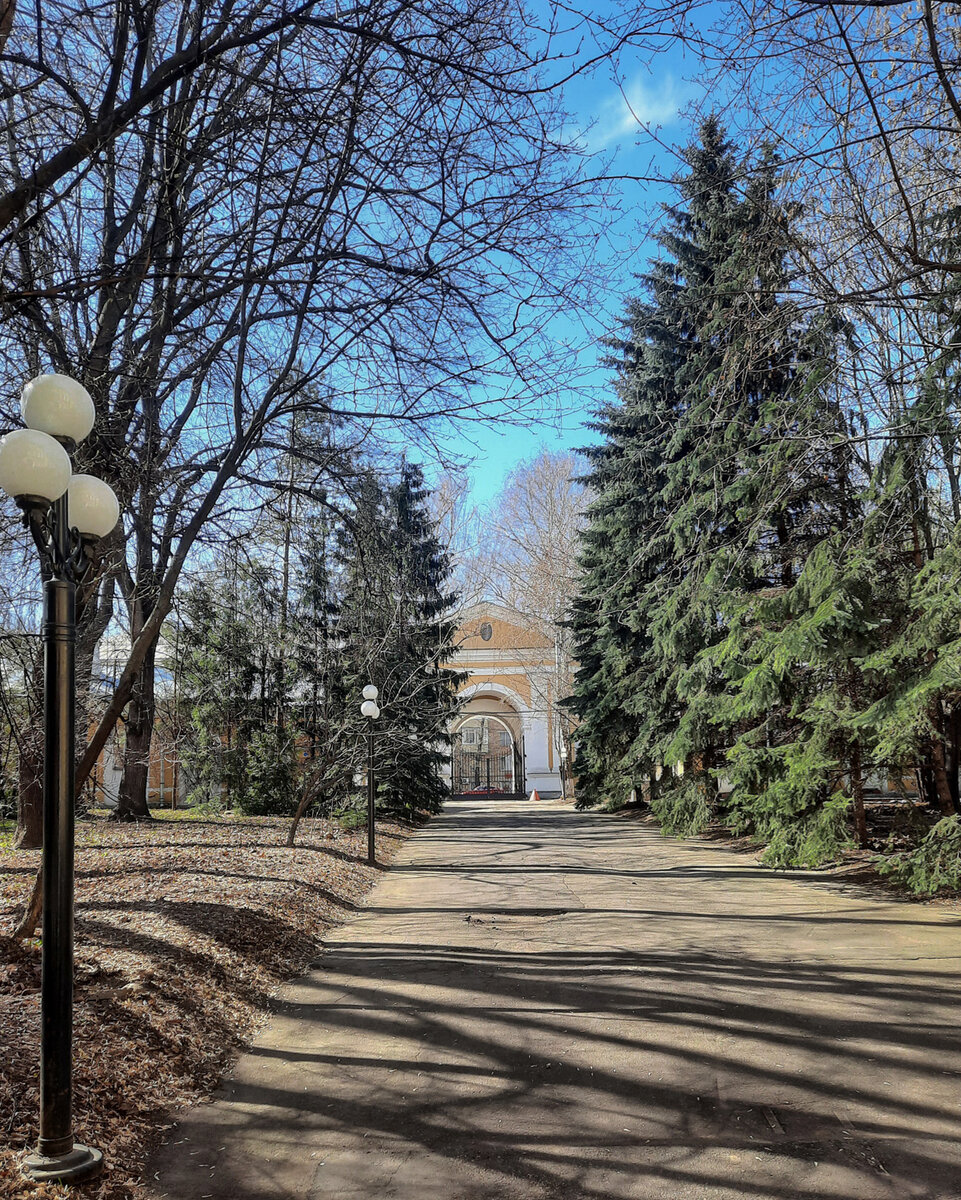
[
  {"x": 33, "y": 466},
  {"x": 370, "y": 692},
  {"x": 58, "y": 405},
  {"x": 92, "y": 507},
  {"x": 370, "y": 709}
]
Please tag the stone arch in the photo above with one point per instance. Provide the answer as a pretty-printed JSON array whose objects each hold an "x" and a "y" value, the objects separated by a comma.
[
  {"x": 475, "y": 690},
  {"x": 479, "y": 763}
]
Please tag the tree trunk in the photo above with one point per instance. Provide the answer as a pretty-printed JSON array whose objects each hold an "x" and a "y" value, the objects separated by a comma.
[
  {"x": 308, "y": 796},
  {"x": 954, "y": 755},
  {"x": 942, "y": 786},
  {"x": 132, "y": 801},
  {"x": 95, "y": 605},
  {"x": 28, "y": 923},
  {"x": 857, "y": 795},
  {"x": 29, "y": 834}
]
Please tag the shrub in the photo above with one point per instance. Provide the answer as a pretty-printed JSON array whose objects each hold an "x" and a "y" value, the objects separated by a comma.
[
  {"x": 810, "y": 839},
  {"x": 270, "y": 784},
  {"x": 683, "y": 808},
  {"x": 933, "y": 865}
]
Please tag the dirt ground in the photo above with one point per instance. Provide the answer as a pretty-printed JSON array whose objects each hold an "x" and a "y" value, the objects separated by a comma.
[{"x": 185, "y": 929}]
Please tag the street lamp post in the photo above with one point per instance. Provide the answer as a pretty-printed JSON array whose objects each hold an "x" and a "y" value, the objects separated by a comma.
[
  {"x": 370, "y": 710},
  {"x": 66, "y": 514}
]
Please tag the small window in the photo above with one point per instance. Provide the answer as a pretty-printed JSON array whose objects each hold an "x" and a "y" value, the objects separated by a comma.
[{"x": 487, "y": 631}]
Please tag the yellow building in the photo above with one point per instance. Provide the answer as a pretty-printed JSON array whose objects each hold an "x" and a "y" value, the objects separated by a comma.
[{"x": 507, "y": 738}]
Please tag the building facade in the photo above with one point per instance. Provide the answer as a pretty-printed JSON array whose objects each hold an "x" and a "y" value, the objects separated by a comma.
[{"x": 507, "y": 738}]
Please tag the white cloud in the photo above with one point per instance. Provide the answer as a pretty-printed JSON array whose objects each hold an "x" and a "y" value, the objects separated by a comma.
[{"x": 637, "y": 102}]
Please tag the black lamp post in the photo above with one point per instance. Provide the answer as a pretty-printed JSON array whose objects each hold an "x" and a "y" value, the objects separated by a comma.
[
  {"x": 370, "y": 710},
  {"x": 65, "y": 513}
]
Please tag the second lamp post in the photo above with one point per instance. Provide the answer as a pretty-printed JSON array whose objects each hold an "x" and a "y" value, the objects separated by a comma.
[{"x": 370, "y": 710}]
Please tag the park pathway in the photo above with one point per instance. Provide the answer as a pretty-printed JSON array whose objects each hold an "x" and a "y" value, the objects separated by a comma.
[{"x": 541, "y": 1003}]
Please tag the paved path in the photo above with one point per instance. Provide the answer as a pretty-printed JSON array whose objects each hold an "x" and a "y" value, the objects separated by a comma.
[{"x": 540, "y": 1003}]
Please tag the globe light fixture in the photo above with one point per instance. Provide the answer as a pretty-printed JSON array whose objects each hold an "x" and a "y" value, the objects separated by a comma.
[
  {"x": 66, "y": 514},
  {"x": 34, "y": 467},
  {"x": 92, "y": 507},
  {"x": 58, "y": 405},
  {"x": 371, "y": 711}
]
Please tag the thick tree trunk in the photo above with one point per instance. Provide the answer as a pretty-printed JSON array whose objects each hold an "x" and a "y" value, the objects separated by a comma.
[
  {"x": 29, "y": 834},
  {"x": 954, "y": 755},
  {"x": 857, "y": 795},
  {"x": 939, "y": 771},
  {"x": 132, "y": 801},
  {"x": 925, "y": 782},
  {"x": 941, "y": 785}
]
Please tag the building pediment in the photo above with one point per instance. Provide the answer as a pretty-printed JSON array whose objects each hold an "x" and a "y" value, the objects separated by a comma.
[{"x": 490, "y": 626}]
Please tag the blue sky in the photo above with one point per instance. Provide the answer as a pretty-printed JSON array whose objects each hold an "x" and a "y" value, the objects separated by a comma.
[{"x": 615, "y": 106}]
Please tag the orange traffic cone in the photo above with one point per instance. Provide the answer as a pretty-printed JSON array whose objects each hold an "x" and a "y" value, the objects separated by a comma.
[{"x": 534, "y": 795}]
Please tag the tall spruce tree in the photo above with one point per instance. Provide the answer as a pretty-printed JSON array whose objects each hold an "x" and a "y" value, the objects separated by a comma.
[
  {"x": 723, "y": 400},
  {"x": 629, "y": 626},
  {"x": 394, "y": 621},
  {"x": 609, "y": 636}
]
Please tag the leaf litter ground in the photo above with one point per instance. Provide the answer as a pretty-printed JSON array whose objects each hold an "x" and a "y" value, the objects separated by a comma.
[{"x": 185, "y": 929}]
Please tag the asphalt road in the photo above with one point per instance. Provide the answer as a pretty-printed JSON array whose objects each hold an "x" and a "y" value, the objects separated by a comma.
[{"x": 541, "y": 1003}]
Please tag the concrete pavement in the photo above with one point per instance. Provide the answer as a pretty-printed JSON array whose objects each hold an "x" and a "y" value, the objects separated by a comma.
[{"x": 541, "y": 1003}]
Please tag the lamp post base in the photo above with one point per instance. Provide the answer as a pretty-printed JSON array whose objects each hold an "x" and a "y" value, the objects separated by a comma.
[{"x": 77, "y": 1164}]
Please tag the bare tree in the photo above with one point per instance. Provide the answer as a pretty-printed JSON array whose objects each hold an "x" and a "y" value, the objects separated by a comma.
[
  {"x": 462, "y": 528},
  {"x": 242, "y": 206},
  {"x": 536, "y": 520},
  {"x": 862, "y": 103}
]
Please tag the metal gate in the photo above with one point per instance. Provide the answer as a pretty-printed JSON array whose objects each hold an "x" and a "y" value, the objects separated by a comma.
[{"x": 486, "y": 759}]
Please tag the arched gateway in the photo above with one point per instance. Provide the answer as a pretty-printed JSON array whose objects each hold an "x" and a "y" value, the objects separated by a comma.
[
  {"x": 485, "y": 758},
  {"x": 503, "y": 741}
]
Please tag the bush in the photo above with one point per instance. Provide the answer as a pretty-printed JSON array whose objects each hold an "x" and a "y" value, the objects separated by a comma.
[
  {"x": 933, "y": 865},
  {"x": 684, "y": 808},
  {"x": 810, "y": 839},
  {"x": 353, "y": 818},
  {"x": 270, "y": 784}
]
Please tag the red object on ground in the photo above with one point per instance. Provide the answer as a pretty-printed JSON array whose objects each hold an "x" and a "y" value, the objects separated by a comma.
[{"x": 534, "y": 795}]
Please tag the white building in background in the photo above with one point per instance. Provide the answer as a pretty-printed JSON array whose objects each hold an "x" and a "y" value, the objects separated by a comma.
[{"x": 507, "y": 739}]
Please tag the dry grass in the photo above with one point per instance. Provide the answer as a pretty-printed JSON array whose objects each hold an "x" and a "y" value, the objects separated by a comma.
[{"x": 184, "y": 931}]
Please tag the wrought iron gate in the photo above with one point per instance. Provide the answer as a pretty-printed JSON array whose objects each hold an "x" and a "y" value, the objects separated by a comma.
[{"x": 486, "y": 759}]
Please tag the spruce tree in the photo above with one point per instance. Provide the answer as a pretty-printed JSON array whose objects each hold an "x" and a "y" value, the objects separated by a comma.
[
  {"x": 229, "y": 650},
  {"x": 606, "y": 638},
  {"x": 643, "y": 522},
  {"x": 725, "y": 473},
  {"x": 394, "y": 621}
]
